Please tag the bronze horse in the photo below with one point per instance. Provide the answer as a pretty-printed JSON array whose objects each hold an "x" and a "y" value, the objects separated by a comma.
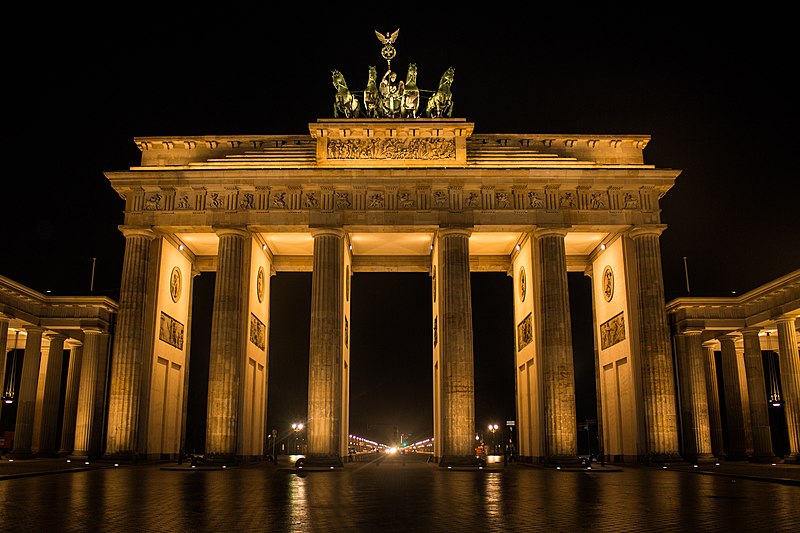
[
  {"x": 345, "y": 103},
  {"x": 410, "y": 102},
  {"x": 371, "y": 96},
  {"x": 441, "y": 103}
]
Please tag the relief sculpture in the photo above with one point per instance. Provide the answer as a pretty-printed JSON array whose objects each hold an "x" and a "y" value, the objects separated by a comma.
[{"x": 612, "y": 331}]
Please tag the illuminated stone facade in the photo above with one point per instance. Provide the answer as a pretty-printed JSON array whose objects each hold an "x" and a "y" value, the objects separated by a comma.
[{"x": 421, "y": 195}]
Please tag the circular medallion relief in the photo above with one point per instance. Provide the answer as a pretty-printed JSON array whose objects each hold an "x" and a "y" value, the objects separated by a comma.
[
  {"x": 260, "y": 284},
  {"x": 523, "y": 284},
  {"x": 608, "y": 283},
  {"x": 175, "y": 284}
]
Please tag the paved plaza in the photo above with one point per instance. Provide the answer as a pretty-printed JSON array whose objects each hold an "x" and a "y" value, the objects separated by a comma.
[{"x": 395, "y": 495}]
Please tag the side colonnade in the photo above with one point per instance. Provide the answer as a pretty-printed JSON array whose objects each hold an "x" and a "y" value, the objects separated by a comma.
[{"x": 722, "y": 346}]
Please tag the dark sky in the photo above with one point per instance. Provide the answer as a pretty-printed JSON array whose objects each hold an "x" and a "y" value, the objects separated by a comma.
[{"x": 712, "y": 89}]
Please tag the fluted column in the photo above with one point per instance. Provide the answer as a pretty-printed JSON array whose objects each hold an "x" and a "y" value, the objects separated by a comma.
[
  {"x": 558, "y": 372},
  {"x": 455, "y": 348},
  {"x": 4, "y": 321},
  {"x": 790, "y": 383},
  {"x": 757, "y": 392},
  {"x": 325, "y": 348},
  {"x": 734, "y": 408},
  {"x": 661, "y": 427},
  {"x": 71, "y": 397},
  {"x": 26, "y": 407},
  {"x": 128, "y": 358},
  {"x": 51, "y": 397},
  {"x": 89, "y": 414},
  {"x": 694, "y": 400},
  {"x": 228, "y": 343},
  {"x": 712, "y": 395}
]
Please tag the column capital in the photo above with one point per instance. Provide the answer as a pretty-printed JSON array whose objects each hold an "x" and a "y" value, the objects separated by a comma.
[
  {"x": 92, "y": 331},
  {"x": 647, "y": 229},
  {"x": 241, "y": 231},
  {"x": 137, "y": 231},
  {"x": 545, "y": 231},
  {"x": 56, "y": 336},
  {"x": 690, "y": 332},
  {"x": 788, "y": 317},
  {"x": 444, "y": 232},
  {"x": 327, "y": 230},
  {"x": 73, "y": 343},
  {"x": 733, "y": 336},
  {"x": 34, "y": 329},
  {"x": 752, "y": 330},
  {"x": 710, "y": 344}
]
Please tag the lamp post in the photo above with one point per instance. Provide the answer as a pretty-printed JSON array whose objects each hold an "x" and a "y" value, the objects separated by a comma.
[
  {"x": 297, "y": 427},
  {"x": 493, "y": 429}
]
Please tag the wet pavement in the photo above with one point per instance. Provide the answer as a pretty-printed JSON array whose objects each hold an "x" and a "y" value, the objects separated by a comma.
[{"x": 395, "y": 495}]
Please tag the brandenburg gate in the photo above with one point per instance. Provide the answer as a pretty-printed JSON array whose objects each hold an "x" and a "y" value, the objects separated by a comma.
[
  {"x": 401, "y": 195},
  {"x": 380, "y": 188}
]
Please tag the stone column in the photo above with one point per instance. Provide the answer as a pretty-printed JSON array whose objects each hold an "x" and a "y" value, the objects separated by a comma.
[
  {"x": 694, "y": 400},
  {"x": 455, "y": 349},
  {"x": 228, "y": 343},
  {"x": 89, "y": 415},
  {"x": 757, "y": 393},
  {"x": 52, "y": 396},
  {"x": 325, "y": 349},
  {"x": 790, "y": 383},
  {"x": 26, "y": 405},
  {"x": 661, "y": 427},
  {"x": 71, "y": 397},
  {"x": 558, "y": 373},
  {"x": 4, "y": 320},
  {"x": 712, "y": 395},
  {"x": 128, "y": 358},
  {"x": 734, "y": 407}
]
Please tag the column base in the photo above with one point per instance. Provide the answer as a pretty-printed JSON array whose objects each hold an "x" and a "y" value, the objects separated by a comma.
[
  {"x": 118, "y": 457},
  {"x": 20, "y": 454},
  {"x": 461, "y": 462},
  {"x": 669, "y": 457},
  {"x": 701, "y": 458},
  {"x": 766, "y": 459},
  {"x": 319, "y": 462},
  {"x": 792, "y": 458},
  {"x": 561, "y": 460}
]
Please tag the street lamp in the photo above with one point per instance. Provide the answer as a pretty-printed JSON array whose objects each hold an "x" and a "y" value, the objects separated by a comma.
[
  {"x": 297, "y": 427},
  {"x": 493, "y": 428}
]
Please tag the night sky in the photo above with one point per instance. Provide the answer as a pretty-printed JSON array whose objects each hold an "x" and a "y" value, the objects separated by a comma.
[{"x": 712, "y": 90}]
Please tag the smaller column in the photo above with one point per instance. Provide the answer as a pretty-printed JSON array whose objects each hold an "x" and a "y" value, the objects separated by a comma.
[
  {"x": 734, "y": 406},
  {"x": 694, "y": 400},
  {"x": 712, "y": 396},
  {"x": 26, "y": 408},
  {"x": 4, "y": 321},
  {"x": 71, "y": 397},
  {"x": 52, "y": 394},
  {"x": 88, "y": 425},
  {"x": 757, "y": 392},
  {"x": 790, "y": 383}
]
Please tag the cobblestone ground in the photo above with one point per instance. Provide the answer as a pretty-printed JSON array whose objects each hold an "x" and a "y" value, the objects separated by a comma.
[{"x": 393, "y": 496}]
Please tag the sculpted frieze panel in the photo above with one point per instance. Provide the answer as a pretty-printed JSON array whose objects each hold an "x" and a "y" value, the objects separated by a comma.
[
  {"x": 170, "y": 331},
  {"x": 472, "y": 200},
  {"x": 258, "y": 332},
  {"x": 524, "y": 332},
  {"x": 502, "y": 200},
  {"x": 612, "y": 331},
  {"x": 405, "y": 200},
  {"x": 535, "y": 200},
  {"x": 391, "y": 148},
  {"x": 278, "y": 200},
  {"x": 342, "y": 200}
]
